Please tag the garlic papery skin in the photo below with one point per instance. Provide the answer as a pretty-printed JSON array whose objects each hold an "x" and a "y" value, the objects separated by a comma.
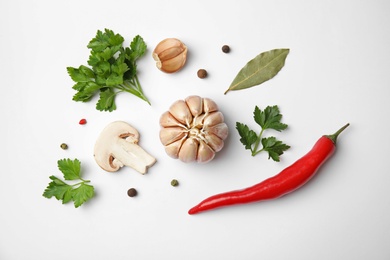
[
  {"x": 170, "y": 55},
  {"x": 193, "y": 130}
]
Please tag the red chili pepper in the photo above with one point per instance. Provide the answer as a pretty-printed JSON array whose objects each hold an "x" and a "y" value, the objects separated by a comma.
[
  {"x": 83, "y": 121},
  {"x": 288, "y": 180}
]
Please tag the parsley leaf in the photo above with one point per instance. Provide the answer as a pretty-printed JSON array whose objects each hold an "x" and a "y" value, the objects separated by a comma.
[
  {"x": 70, "y": 169},
  {"x": 112, "y": 66},
  {"x": 78, "y": 75},
  {"x": 274, "y": 147},
  {"x": 106, "y": 101},
  {"x": 268, "y": 119},
  {"x": 78, "y": 193},
  {"x": 248, "y": 137},
  {"x": 82, "y": 194},
  {"x": 138, "y": 48},
  {"x": 56, "y": 188},
  {"x": 105, "y": 39}
]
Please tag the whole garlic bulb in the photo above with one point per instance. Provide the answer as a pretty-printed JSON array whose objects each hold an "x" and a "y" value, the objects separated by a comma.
[{"x": 193, "y": 130}]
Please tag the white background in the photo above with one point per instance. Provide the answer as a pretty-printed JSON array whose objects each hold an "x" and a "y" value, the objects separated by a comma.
[{"x": 338, "y": 71}]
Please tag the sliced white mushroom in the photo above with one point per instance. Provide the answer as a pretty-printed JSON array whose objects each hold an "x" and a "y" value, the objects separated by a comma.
[{"x": 117, "y": 146}]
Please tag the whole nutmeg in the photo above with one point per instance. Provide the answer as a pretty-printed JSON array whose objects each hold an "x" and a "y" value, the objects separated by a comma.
[
  {"x": 170, "y": 55},
  {"x": 193, "y": 130}
]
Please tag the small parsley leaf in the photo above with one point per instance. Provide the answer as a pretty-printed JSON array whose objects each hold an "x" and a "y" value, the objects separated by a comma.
[
  {"x": 77, "y": 75},
  {"x": 56, "y": 188},
  {"x": 274, "y": 147},
  {"x": 78, "y": 193},
  {"x": 105, "y": 39},
  {"x": 270, "y": 118},
  {"x": 138, "y": 48},
  {"x": 70, "y": 169},
  {"x": 248, "y": 137},
  {"x": 82, "y": 194},
  {"x": 106, "y": 101}
]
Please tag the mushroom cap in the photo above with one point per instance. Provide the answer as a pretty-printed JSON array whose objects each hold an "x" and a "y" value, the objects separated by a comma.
[{"x": 109, "y": 138}]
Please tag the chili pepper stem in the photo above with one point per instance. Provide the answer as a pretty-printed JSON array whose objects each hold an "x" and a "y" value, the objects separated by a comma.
[{"x": 334, "y": 136}]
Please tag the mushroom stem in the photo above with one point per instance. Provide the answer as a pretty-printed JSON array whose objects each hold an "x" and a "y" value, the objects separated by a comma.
[{"x": 132, "y": 155}]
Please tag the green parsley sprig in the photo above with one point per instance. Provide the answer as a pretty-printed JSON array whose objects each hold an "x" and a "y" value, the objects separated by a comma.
[
  {"x": 268, "y": 119},
  {"x": 79, "y": 192},
  {"x": 113, "y": 70}
]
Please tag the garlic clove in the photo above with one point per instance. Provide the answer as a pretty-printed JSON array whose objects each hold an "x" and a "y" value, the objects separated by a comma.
[
  {"x": 173, "y": 149},
  {"x": 181, "y": 112},
  {"x": 198, "y": 121},
  {"x": 221, "y": 130},
  {"x": 209, "y": 106},
  {"x": 195, "y": 104},
  {"x": 166, "y": 44},
  {"x": 168, "y": 120},
  {"x": 169, "y": 135},
  {"x": 205, "y": 153},
  {"x": 170, "y": 55},
  {"x": 213, "y": 119},
  {"x": 189, "y": 150},
  {"x": 174, "y": 64},
  {"x": 214, "y": 142}
]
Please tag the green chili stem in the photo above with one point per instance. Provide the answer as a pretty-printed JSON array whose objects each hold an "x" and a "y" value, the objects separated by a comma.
[{"x": 334, "y": 136}]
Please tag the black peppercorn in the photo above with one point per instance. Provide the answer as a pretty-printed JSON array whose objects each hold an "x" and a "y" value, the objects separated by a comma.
[
  {"x": 226, "y": 49},
  {"x": 132, "y": 192},
  {"x": 202, "y": 73}
]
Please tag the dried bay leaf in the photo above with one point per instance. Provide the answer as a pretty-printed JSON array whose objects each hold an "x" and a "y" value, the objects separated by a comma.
[{"x": 263, "y": 67}]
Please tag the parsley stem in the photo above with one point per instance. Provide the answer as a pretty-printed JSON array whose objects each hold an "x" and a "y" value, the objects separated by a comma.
[
  {"x": 138, "y": 85},
  {"x": 256, "y": 147},
  {"x": 256, "y": 152},
  {"x": 82, "y": 181},
  {"x": 134, "y": 87}
]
